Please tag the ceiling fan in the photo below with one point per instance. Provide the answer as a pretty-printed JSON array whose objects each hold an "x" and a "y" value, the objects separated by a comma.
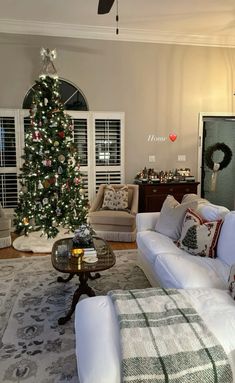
[{"x": 104, "y": 6}]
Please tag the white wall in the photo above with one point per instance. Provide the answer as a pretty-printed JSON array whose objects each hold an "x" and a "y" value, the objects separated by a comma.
[{"x": 161, "y": 88}]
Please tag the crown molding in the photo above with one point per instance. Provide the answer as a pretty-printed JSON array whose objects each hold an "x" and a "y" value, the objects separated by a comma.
[{"x": 108, "y": 33}]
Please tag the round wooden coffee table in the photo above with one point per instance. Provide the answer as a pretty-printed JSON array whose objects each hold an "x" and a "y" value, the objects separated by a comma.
[{"x": 61, "y": 261}]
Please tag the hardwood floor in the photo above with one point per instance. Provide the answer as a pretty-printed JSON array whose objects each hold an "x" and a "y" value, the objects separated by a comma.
[{"x": 10, "y": 252}]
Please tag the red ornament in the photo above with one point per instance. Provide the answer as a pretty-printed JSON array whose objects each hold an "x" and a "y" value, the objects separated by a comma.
[
  {"x": 76, "y": 180},
  {"x": 36, "y": 135},
  {"x": 61, "y": 134}
]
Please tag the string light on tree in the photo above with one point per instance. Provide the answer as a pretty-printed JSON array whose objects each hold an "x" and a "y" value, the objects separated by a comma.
[{"x": 50, "y": 195}]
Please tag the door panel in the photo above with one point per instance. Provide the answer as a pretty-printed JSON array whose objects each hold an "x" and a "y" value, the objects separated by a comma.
[{"x": 219, "y": 130}]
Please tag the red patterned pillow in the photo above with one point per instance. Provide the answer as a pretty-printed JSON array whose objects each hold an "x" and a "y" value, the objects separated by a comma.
[{"x": 199, "y": 237}]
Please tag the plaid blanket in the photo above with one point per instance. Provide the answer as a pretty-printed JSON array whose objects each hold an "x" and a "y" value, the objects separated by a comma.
[{"x": 165, "y": 340}]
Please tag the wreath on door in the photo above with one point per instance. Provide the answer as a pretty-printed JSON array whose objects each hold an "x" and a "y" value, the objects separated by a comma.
[{"x": 223, "y": 148}]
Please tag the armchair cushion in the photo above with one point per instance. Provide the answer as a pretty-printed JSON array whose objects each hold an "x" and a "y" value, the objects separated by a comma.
[
  {"x": 115, "y": 199},
  {"x": 115, "y": 220},
  {"x": 106, "y": 217}
]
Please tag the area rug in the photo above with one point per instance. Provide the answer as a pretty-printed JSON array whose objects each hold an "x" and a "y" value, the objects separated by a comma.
[{"x": 33, "y": 347}]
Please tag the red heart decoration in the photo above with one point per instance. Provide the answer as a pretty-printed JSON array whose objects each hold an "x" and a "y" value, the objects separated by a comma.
[{"x": 172, "y": 137}]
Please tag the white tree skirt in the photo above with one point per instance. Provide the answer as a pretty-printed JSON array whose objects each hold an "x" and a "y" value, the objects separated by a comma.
[{"x": 39, "y": 243}]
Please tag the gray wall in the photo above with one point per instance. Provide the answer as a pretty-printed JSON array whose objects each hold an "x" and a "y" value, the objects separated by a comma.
[{"x": 161, "y": 88}]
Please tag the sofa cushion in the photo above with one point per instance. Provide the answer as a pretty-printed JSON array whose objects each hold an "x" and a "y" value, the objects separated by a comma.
[
  {"x": 172, "y": 216},
  {"x": 199, "y": 237},
  {"x": 115, "y": 199},
  {"x": 182, "y": 270},
  {"x": 108, "y": 217},
  {"x": 226, "y": 241},
  {"x": 151, "y": 244}
]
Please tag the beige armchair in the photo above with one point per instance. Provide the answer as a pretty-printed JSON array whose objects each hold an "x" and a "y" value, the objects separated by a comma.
[
  {"x": 115, "y": 225},
  {"x": 5, "y": 229}
]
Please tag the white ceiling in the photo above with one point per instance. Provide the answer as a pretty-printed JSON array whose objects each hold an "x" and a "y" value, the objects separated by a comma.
[{"x": 196, "y": 22}]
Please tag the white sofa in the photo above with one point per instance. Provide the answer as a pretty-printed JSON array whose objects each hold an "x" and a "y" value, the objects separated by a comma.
[
  {"x": 203, "y": 281},
  {"x": 171, "y": 267}
]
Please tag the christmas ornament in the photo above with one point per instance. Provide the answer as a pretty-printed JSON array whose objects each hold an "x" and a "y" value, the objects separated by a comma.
[
  {"x": 46, "y": 162},
  {"x": 76, "y": 180},
  {"x": 52, "y": 180},
  {"x": 58, "y": 211},
  {"x": 61, "y": 134},
  {"x": 45, "y": 201},
  {"x": 46, "y": 184},
  {"x": 25, "y": 221},
  {"x": 40, "y": 185},
  {"x": 56, "y": 143},
  {"x": 45, "y": 101},
  {"x": 61, "y": 158},
  {"x": 60, "y": 170},
  {"x": 48, "y": 68},
  {"x": 72, "y": 161},
  {"x": 36, "y": 135}
]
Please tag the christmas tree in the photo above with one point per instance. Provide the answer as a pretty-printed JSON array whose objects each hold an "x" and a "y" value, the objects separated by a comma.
[{"x": 52, "y": 193}]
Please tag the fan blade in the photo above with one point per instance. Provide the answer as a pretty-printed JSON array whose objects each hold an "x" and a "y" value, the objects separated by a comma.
[{"x": 104, "y": 6}]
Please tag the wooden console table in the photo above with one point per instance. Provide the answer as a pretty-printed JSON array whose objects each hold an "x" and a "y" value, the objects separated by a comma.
[{"x": 151, "y": 197}]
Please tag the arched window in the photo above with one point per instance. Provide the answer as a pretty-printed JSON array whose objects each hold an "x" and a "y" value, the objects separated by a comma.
[{"x": 72, "y": 97}]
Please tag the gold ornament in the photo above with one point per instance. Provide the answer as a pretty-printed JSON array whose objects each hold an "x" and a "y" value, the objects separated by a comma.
[
  {"x": 25, "y": 221},
  {"x": 61, "y": 158},
  {"x": 56, "y": 143},
  {"x": 46, "y": 184}
]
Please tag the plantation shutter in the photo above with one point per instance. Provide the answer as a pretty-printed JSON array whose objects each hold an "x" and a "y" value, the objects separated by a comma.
[
  {"x": 80, "y": 128},
  {"x": 9, "y": 158},
  {"x": 99, "y": 137},
  {"x": 109, "y": 149},
  {"x": 100, "y": 140}
]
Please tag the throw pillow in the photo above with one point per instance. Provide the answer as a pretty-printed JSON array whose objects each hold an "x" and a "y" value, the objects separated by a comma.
[
  {"x": 172, "y": 216},
  {"x": 115, "y": 199},
  {"x": 199, "y": 237},
  {"x": 194, "y": 197},
  {"x": 231, "y": 281}
]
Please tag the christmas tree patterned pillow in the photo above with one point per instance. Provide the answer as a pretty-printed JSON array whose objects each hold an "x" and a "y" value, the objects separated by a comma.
[
  {"x": 231, "y": 281},
  {"x": 115, "y": 199},
  {"x": 199, "y": 237}
]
